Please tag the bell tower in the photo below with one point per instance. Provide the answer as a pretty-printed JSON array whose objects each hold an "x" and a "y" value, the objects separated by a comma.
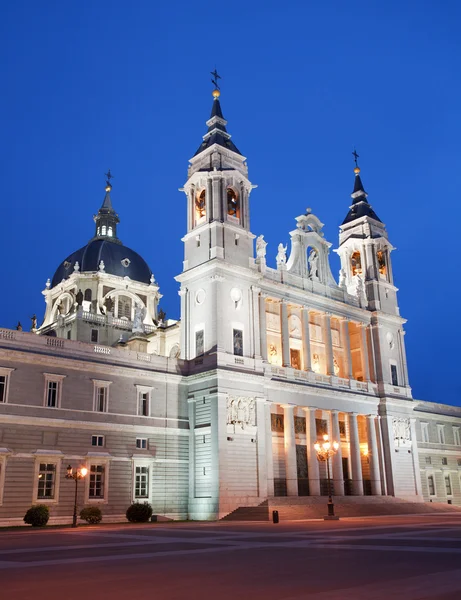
[{"x": 217, "y": 192}]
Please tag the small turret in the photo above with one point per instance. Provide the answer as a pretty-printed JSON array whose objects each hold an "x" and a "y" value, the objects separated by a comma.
[{"x": 107, "y": 219}]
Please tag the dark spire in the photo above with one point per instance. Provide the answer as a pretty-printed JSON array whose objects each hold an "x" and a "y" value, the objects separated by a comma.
[
  {"x": 217, "y": 132},
  {"x": 360, "y": 207},
  {"x": 107, "y": 219}
]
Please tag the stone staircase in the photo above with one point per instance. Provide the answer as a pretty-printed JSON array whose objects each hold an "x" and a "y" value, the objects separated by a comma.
[{"x": 315, "y": 507}]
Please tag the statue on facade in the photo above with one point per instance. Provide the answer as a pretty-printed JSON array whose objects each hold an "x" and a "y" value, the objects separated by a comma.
[
  {"x": 61, "y": 308},
  {"x": 33, "y": 319},
  {"x": 336, "y": 367},
  {"x": 138, "y": 318},
  {"x": 260, "y": 247},
  {"x": 19, "y": 326},
  {"x": 102, "y": 266},
  {"x": 281, "y": 257},
  {"x": 76, "y": 267},
  {"x": 342, "y": 278},
  {"x": 313, "y": 261},
  {"x": 109, "y": 304},
  {"x": 161, "y": 315},
  {"x": 79, "y": 298}
]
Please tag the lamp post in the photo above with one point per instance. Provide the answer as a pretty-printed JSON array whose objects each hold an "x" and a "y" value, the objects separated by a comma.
[
  {"x": 76, "y": 476},
  {"x": 325, "y": 451}
]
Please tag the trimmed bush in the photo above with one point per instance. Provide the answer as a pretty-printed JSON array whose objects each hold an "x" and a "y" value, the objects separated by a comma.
[
  {"x": 139, "y": 513},
  {"x": 91, "y": 514},
  {"x": 37, "y": 515}
]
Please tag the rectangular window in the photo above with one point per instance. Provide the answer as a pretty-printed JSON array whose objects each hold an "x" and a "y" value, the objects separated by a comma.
[
  {"x": 431, "y": 485},
  {"x": 141, "y": 484},
  {"x": 425, "y": 432},
  {"x": 456, "y": 436},
  {"x": 444, "y": 460},
  {"x": 143, "y": 404},
  {"x": 97, "y": 440},
  {"x": 101, "y": 399},
  {"x": 96, "y": 483},
  {"x": 428, "y": 460},
  {"x": 52, "y": 394},
  {"x": 448, "y": 485},
  {"x": 342, "y": 429},
  {"x": 3, "y": 382},
  {"x": 141, "y": 443},
  {"x": 199, "y": 343},
  {"x": 238, "y": 342},
  {"x": 441, "y": 434},
  {"x": 46, "y": 481},
  {"x": 321, "y": 427},
  {"x": 394, "y": 377},
  {"x": 94, "y": 336}
]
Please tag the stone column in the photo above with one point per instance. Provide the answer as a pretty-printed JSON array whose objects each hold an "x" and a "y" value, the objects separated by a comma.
[
  {"x": 285, "y": 334},
  {"x": 337, "y": 461},
  {"x": 209, "y": 200},
  {"x": 269, "y": 455},
  {"x": 307, "y": 363},
  {"x": 373, "y": 457},
  {"x": 190, "y": 208},
  {"x": 217, "y": 208},
  {"x": 290, "y": 450},
  {"x": 256, "y": 332},
  {"x": 184, "y": 351},
  {"x": 365, "y": 358},
  {"x": 262, "y": 449},
  {"x": 262, "y": 325},
  {"x": 328, "y": 343},
  {"x": 312, "y": 461},
  {"x": 403, "y": 354},
  {"x": 346, "y": 341},
  {"x": 354, "y": 451}
]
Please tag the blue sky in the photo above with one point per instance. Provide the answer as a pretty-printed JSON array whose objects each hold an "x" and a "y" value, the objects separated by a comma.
[{"x": 92, "y": 85}]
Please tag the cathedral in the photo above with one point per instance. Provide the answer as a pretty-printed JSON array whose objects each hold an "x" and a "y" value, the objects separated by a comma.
[{"x": 221, "y": 409}]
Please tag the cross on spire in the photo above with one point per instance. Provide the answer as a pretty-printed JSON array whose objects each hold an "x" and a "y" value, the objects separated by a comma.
[
  {"x": 356, "y": 156},
  {"x": 109, "y": 176},
  {"x": 214, "y": 81}
]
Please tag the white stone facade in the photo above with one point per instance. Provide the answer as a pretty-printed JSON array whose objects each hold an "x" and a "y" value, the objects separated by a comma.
[{"x": 222, "y": 409}]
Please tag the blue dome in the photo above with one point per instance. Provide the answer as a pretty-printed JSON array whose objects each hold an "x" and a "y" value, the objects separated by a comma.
[{"x": 118, "y": 260}]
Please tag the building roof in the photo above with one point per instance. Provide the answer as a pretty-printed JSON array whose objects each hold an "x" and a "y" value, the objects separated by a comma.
[
  {"x": 360, "y": 206},
  {"x": 217, "y": 132}
]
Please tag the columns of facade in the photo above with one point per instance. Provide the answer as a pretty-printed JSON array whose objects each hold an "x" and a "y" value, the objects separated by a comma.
[
  {"x": 355, "y": 459},
  {"x": 190, "y": 208},
  {"x": 262, "y": 325},
  {"x": 403, "y": 354},
  {"x": 262, "y": 448},
  {"x": 307, "y": 362},
  {"x": 290, "y": 449},
  {"x": 183, "y": 344},
  {"x": 217, "y": 208},
  {"x": 312, "y": 461},
  {"x": 338, "y": 476},
  {"x": 373, "y": 458},
  {"x": 285, "y": 333},
  {"x": 364, "y": 353},
  {"x": 346, "y": 343},
  {"x": 328, "y": 343},
  {"x": 269, "y": 455},
  {"x": 255, "y": 291}
]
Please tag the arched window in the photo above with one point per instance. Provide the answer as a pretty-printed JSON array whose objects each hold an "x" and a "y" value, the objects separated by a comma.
[
  {"x": 233, "y": 204},
  {"x": 124, "y": 307},
  {"x": 87, "y": 295},
  {"x": 109, "y": 231},
  {"x": 382, "y": 266},
  {"x": 200, "y": 206},
  {"x": 103, "y": 230},
  {"x": 356, "y": 263}
]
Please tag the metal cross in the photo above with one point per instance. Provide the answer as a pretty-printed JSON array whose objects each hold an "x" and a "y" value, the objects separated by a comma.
[
  {"x": 356, "y": 156},
  {"x": 214, "y": 81},
  {"x": 109, "y": 176}
]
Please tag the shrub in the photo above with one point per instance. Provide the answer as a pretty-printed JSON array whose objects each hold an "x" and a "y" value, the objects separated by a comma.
[
  {"x": 37, "y": 515},
  {"x": 91, "y": 514},
  {"x": 139, "y": 513}
]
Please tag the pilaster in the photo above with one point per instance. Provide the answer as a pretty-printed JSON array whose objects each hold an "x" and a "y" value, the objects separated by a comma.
[{"x": 290, "y": 450}]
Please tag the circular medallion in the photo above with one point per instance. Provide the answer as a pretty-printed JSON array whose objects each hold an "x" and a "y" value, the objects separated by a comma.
[{"x": 200, "y": 296}]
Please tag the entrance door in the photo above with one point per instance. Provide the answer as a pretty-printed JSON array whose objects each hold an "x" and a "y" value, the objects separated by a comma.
[{"x": 301, "y": 466}]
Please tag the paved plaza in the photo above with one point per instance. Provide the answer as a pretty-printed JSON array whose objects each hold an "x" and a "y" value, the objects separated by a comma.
[{"x": 400, "y": 558}]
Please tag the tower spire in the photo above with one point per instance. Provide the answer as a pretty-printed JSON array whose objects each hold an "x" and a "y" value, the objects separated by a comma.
[
  {"x": 360, "y": 206},
  {"x": 107, "y": 219}
]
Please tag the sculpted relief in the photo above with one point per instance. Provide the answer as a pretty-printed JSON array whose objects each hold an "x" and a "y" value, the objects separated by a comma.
[
  {"x": 402, "y": 431},
  {"x": 241, "y": 412}
]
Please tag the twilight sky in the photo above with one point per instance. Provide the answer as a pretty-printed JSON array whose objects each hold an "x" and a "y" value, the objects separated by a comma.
[{"x": 126, "y": 85}]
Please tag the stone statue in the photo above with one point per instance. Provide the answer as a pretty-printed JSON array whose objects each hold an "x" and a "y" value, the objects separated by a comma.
[
  {"x": 260, "y": 247},
  {"x": 19, "y": 326},
  {"x": 138, "y": 318},
  {"x": 48, "y": 283},
  {"x": 313, "y": 261},
  {"x": 161, "y": 315},
  {"x": 33, "y": 319},
  {"x": 281, "y": 257},
  {"x": 316, "y": 363},
  {"x": 152, "y": 280},
  {"x": 342, "y": 278},
  {"x": 336, "y": 368},
  {"x": 61, "y": 308},
  {"x": 102, "y": 266},
  {"x": 79, "y": 298},
  {"x": 76, "y": 267}
]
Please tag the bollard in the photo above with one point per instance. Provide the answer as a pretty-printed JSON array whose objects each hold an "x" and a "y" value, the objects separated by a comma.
[{"x": 275, "y": 516}]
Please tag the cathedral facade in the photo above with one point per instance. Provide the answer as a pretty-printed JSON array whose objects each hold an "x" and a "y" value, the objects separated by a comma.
[{"x": 220, "y": 409}]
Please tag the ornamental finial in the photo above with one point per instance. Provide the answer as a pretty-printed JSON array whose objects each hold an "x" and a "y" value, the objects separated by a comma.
[
  {"x": 109, "y": 176},
  {"x": 216, "y": 92},
  {"x": 356, "y": 157}
]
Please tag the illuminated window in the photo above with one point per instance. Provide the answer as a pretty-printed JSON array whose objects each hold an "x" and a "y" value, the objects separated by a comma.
[
  {"x": 233, "y": 204},
  {"x": 200, "y": 206},
  {"x": 46, "y": 481},
  {"x": 110, "y": 231},
  {"x": 96, "y": 482},
  {"x": 141, "y": 482},
  {"x": 356, "y": 263},
  {"x": 382, "y": 267}
]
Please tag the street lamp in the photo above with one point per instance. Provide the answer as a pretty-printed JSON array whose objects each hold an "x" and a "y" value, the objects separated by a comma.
[
  {"x": 76, "y": 476},
  {"x": 325, "y": 451}
]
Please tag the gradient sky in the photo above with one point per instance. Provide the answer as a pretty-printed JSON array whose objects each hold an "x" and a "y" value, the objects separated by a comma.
[{"x": 90, "y": 85}]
